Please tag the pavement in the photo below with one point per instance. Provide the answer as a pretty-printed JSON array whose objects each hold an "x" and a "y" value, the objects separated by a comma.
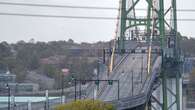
[{"x": 129, "y": 75}]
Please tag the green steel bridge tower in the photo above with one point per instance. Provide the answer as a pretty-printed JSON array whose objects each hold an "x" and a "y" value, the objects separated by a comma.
[{"x": 168, "y": 39}]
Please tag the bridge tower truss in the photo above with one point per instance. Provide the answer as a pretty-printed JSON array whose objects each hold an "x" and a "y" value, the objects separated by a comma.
[
  {"x": 168, "y": 40},
  {"x": 130, "y": 22},
  {"x": 171, "y": 58}
]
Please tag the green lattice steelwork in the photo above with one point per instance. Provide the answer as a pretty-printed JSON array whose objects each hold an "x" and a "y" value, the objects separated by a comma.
[{"x": 162, "y": 27}]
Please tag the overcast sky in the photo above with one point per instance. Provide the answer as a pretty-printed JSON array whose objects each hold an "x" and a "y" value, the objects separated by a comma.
[{"x": 14, "y": 28}]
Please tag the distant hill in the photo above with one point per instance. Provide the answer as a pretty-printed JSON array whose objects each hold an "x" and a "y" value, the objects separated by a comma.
[{"x": 48, "y": 58}]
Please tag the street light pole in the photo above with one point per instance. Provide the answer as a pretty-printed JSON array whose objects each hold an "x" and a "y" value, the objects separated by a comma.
[
  {"x": 132, "y": 83},
  {"x": 79, "y": 89},
  {"x": 9, "y": 94},
  {"x": 62, "y": 93},
  {"x": 118, "y": 90},
  {"x": 98, "y": 72},
  {"x": 110, "y": 82},
  {"x": 142, "y": 70},
  {"x": 75, "y": 91}
]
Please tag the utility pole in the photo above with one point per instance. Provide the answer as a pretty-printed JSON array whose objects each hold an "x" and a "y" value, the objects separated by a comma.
[
  {"x": 9, "y": 94},
  {"x": 142, "y": 71},
  {"x": 80, "y": 90},
  {"x": 62, "y": 87},
  {"x": 75, "y": 89},
  {"x": 98, "y": 69},
  {"x": 118, "y": 90},
  {"x": 132, "y": 88}
]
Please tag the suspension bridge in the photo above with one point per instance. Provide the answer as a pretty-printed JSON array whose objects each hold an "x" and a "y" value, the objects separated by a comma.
[
  {"x": 148, "y": 70},
  {"x": 143, "y": 66}
]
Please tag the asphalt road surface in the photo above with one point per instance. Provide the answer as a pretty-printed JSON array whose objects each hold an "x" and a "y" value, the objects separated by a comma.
[{"x": 130, "y": 75}]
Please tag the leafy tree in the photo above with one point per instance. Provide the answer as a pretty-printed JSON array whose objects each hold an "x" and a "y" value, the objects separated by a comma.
[
  {"x": 86, "y": 105},
  {"x": 70, "y": 41},
  {"x": 50, "y": 70},
  {"x": 22, "y": 57},
  {"x": 5, "y": 50},
  {"x": 188, "y": 47}
]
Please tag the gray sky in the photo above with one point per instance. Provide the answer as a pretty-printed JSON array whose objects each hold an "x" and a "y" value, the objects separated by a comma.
[{"x": 14, "y": 28}]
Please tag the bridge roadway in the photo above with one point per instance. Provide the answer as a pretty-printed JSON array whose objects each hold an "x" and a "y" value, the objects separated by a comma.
[
  {"x": 119, "y": 59},
  {"x": 135, "y": 85},
  {"x": 139, "y": 100},
  {"x": 129, "y": 75}
]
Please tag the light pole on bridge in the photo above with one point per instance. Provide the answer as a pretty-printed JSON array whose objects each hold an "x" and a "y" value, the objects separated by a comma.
[{"x": 132, "y": 82}]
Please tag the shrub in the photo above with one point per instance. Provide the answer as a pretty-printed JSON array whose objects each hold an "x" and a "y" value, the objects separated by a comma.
[{"x": 85, "y": 105}]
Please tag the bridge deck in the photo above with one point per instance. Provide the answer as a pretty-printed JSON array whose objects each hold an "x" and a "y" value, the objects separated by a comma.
[{"x": 129, "y": 75}]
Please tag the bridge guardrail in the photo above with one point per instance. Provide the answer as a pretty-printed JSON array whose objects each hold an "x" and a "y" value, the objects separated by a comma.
[
  {"x": 141, "y": 99},
  {"x": 115, "y": 67}
]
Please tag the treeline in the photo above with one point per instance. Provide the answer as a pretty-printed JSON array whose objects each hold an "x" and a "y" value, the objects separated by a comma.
[
  {"x": 21, "y": 57},
  {"x": 48, "y": 58},
  {"x": 188, "y": 46}
]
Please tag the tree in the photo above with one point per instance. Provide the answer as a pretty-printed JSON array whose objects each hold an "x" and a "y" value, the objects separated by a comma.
[
  {"x": 70, "y": 41},
  {"x": 49, "y": 70},
  {"x": 5, "y": 50},
  {"x": 86, "y": 105},
  {"x": 32, "y": 40},
  {"x": 187, "y": 46}
]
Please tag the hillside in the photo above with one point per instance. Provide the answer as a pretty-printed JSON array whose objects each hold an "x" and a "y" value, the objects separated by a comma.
[{"x": 49, "y": 58}]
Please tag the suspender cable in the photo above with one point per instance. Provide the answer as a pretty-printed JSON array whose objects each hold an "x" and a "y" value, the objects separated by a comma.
[
  {"x": 115, "y": 40},
  {"x": 150, "y": 39}
]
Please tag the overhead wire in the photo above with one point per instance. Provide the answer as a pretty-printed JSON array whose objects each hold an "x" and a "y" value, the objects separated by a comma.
[
  {"x": 58, "y": 16},
  {"x": 57, "y": 6},
  {"x": 77, "y": 7},
  {"x": 76, "y": 17}
]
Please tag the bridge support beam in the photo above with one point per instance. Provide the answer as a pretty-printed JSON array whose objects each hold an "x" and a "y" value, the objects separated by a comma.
[
  {"x": 121, "y": 39},
  {"x": 170, "y": 100},
  {"x": 148, "y": 105},
  {"x": 171, "y": 89},
  {"x": 164, "y": 88},
  {"x": 178, "y": 92}
]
